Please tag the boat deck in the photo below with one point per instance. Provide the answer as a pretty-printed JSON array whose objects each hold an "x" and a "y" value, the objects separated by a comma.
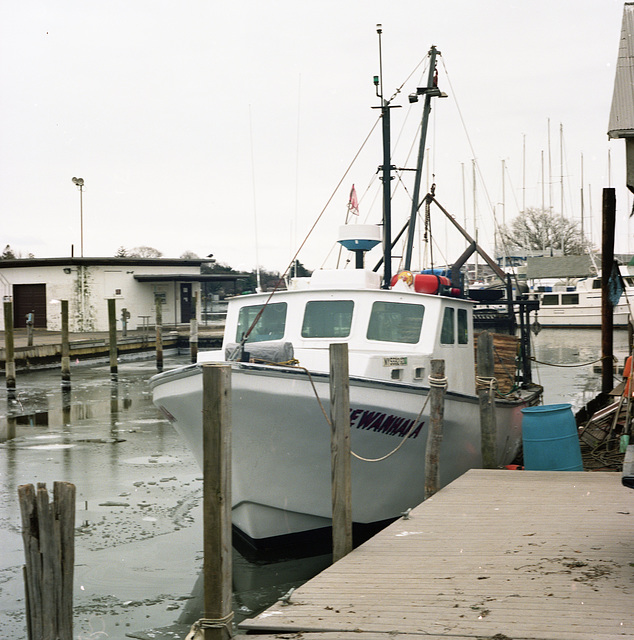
[{"x": 495, "y": 554}]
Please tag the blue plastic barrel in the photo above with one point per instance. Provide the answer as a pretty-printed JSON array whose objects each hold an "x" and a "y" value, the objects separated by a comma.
[{"x": 551, "y": 442}]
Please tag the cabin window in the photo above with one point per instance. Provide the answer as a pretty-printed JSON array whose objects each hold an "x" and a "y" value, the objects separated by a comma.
[
  {"x": 596, "y": 283},
  {"x": 569, "y": 298},
  {"x": 447, "y": 333},
  {"x": 396, "y": 322},
  {"x": 463, "y": 327},
  {"x": 327, "y": 319},
  {"x": 550, "y": 299},
  {"x": 270, "y": 325}
]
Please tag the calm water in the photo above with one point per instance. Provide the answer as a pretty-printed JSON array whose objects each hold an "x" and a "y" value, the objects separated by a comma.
[{"x": 139, "y": 494}]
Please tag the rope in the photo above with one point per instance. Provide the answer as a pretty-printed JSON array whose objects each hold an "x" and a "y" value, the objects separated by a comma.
[
  {"x": 486, "y": 383},
  {"x": 571, "y": 366},
  {"x": 401, "y": 443},
  {"x": 438, "y": 383},
  {"x": 211, "y": 623},
  {"x": 433, "y": 382}
]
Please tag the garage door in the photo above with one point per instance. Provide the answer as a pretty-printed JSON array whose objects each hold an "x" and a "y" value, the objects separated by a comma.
[{"x": 27, "y": 298}]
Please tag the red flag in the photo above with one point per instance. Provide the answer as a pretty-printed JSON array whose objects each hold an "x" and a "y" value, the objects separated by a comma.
[{"x": 353, "y": 203}]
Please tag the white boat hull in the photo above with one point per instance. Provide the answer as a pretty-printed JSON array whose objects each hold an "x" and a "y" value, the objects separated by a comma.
[
  {"x": 281, "y": 444},
  {"x": 579, "y": 316}
]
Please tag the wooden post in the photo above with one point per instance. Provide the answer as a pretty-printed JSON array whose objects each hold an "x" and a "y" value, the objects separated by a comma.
[
  {"x": 9, "y": 348},
  {"x": 65, "y": 346},
  {"x": 217, "y": 501},
  {"x": 193, "y": 331},
  {"x": 340, "y": 451},
  {"x": 437, "y": 385},
  {"x": 30, "y": 319},
  {"x": 48, "y": 532},
  {"x": 486, "y": 397},
  {"x": 112, "y": 330},
  {"x": 158, "y": 303},
  {"x": 607, "y": 262}
]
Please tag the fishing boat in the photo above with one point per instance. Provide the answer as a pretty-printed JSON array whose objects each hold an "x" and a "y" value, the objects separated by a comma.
[{"x": 278, "y": 347}]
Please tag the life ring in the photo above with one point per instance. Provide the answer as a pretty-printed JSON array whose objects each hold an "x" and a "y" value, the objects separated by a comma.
[{"x": 404, "y": 276}]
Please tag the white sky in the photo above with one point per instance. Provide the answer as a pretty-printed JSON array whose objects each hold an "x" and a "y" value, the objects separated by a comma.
[{"x": 195, "y": 123}]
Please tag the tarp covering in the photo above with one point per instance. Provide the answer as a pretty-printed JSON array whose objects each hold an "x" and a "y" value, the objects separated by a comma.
[{"x": 273, "y": 351}]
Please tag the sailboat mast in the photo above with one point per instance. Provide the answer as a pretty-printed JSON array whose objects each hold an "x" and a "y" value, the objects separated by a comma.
[{"x": 431, "y": 90}]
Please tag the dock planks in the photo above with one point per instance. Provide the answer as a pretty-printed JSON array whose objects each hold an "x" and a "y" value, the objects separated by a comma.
[{"x": 495, "y": 554}]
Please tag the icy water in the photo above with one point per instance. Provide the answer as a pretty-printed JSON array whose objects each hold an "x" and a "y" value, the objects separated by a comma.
[
  {"x": 139, "y": 494},
  {"x": 139, "y": 519}
]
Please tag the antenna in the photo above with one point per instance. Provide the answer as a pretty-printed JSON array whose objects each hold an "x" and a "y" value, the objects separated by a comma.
[{"x": 378, "y": 80}]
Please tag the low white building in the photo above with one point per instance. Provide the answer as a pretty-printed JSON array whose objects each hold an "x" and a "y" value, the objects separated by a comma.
[{"x": 38, "y": 285}]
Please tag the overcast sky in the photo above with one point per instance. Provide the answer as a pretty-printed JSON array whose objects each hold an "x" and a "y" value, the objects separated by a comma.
[{"x": 224, "y": 127}]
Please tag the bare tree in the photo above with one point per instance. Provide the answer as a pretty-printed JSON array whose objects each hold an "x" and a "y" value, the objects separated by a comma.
[
  {"x": 540, "y": 230},
  {"x": 144, "y": 252}
]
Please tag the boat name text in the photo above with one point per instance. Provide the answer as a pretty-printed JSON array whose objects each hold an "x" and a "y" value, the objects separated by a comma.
[{"x": 388, "y": 424}]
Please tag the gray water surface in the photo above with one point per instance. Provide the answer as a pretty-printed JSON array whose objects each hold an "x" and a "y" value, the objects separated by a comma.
[{"x": 139, "y": 518}]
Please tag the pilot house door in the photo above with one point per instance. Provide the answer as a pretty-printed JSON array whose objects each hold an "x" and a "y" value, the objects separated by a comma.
[{"x": 186, "y": 301}]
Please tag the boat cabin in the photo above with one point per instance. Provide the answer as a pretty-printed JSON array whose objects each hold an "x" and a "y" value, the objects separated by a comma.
[{"x": 392, "y": 334}]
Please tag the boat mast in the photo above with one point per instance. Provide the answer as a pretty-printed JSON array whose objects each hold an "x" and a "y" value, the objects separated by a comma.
[
  {"x": 430, "y": 91},
  {"x": 386, "y": 171}
]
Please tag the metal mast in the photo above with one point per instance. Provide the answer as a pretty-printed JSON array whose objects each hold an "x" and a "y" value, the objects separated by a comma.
[{"x": 430, "y": 91}]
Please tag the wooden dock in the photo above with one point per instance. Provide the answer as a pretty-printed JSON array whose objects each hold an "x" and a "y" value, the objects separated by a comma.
[{"x": 495, "y": 555}]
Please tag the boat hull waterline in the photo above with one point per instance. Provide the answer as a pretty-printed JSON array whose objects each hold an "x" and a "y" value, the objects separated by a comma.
[{"x": 281, "y": 444}]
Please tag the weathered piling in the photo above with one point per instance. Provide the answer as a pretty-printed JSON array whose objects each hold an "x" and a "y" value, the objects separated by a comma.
[
  {"x": 193, "y": 331},
  {"x": 30, "y": 320},
  {"x": 607, "y": 308},
  {"x": 158, "y": 302},
  {"x": 437, "y": 386},
  {"x": 9, "y": 348},
  {"x": 485, "y": 384},
  {"x": 48, "y": 532},
  {"x": 65, "y": 346},
  {"x": 340, "y": 451},
  {"x": 217, "y": 563},
  {"x": 112, "y": 332}
]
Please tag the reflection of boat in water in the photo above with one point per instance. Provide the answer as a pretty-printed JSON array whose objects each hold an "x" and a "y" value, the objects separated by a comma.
[{"x": 278, "y": 346}]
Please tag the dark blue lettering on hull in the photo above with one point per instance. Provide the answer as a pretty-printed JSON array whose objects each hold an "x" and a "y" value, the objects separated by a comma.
[{"x": 390, "y": 425}]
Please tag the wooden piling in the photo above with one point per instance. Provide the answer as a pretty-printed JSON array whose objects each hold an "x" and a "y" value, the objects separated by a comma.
[
  {"x": 486, "y": 397},
  {"x": 437, "y": 385},
  {"x": 112, "y": 331},
  {"x": 607, "y": 264},
  {"x": 29, "y": 330},
  {"x": 158, "y": 303},
  {"x": 9, "y": 348},
  {"x": 193, "y": 331},
  {"x": 48, "y": 532},
  {"x": 65, "y": 346},
  {"x": 217, "y": 564},
  {"x": 340, "y": 451}
]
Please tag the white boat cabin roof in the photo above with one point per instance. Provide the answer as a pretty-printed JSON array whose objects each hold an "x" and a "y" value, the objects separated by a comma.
[{"x": 381, "y": 326}]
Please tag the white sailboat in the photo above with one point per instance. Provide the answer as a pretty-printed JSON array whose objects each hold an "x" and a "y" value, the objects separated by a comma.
[{"x": 278, "y": 347}]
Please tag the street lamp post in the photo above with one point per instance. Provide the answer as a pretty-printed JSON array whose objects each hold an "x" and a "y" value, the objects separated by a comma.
[{"x": 79, "y": 182}]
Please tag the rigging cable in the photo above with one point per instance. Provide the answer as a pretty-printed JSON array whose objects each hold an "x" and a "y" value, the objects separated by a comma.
[{"x": 244, "y": 338}]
